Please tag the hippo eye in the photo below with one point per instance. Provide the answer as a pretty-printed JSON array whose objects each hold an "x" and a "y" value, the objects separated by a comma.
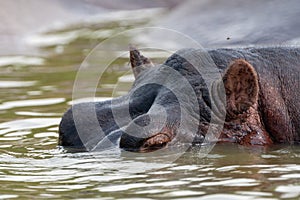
[
  {"x": 152, "y": 147},
  {"x": 155, "y": 142}
]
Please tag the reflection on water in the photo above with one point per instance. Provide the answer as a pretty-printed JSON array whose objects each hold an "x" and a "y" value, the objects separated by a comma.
[{"x": 36, "y": 91}]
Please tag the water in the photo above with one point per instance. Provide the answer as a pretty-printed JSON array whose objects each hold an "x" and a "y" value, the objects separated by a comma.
[{"x": 36, "y": 90}]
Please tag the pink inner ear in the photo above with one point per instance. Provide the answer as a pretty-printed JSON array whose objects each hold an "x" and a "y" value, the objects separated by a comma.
[{"x": 241, "y": 85}]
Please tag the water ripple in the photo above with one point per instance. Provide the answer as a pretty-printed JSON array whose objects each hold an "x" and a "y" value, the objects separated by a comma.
[
  {"x": 31, "y": 102},
  {"x": 25, "y": 124},
  {"x": 20, "y": 60},
  {"x": 14, "y": 84}
]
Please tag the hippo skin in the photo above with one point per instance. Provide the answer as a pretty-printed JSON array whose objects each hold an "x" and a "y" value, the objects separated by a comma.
[{"x": 262, "y": 101}]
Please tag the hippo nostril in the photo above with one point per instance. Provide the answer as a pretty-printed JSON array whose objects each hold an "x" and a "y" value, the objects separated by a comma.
[
  {"x": 142, "y": 99},
  {"x": 143, "y": 120}
]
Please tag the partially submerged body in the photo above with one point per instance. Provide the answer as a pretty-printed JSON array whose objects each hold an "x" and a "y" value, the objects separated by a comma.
[{"x": 262, "y": 104}]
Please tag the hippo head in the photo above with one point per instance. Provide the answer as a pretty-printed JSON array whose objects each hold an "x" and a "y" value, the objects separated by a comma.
[{"x": 171, "y": 103}]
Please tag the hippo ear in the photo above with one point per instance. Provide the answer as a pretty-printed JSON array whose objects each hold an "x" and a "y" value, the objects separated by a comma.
[
  {"x": 241, "y": 86},
  {"x": 138, "y": 62}
]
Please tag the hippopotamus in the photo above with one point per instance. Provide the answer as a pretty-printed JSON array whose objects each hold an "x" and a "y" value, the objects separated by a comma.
[{"x": 260, "y": 106}]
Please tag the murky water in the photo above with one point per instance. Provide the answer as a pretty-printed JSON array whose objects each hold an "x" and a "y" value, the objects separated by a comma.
[{"x": 36, "y": 90}]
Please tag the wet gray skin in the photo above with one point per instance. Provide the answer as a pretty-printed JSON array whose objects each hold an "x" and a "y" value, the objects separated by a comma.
[{"x": 262, "y": 103}]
